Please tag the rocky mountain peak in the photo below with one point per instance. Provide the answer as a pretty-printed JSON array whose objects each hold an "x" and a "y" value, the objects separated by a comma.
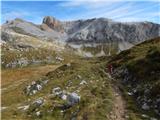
[
  {"x": 49, "y": 20},
  {"x": 53, "y": 23}
]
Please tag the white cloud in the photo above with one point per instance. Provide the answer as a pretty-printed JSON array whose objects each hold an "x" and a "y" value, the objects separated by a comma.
[
  {"x": 105, "y": 10},
  {"x": 89, "y": 3},
  {"x": 114, "y": 9}
]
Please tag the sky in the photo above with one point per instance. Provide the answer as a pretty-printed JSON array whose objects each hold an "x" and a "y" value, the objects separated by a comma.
[{"x": 118, "y": 10}]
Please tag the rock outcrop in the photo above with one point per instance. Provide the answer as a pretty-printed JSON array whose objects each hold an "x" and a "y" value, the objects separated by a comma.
[{"x": 53, "y": 23}]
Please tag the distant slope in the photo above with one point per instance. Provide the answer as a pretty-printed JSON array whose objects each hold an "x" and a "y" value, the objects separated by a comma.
[
  {"x": 139, "y": 71},
  {"x": 19, "y": 50},
  {"x": 28, "y": 28}
]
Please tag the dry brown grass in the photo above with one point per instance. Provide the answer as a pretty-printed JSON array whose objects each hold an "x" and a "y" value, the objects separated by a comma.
[
  {"x": 14, "y": 81},
  {"x": 11, "y": 76}
]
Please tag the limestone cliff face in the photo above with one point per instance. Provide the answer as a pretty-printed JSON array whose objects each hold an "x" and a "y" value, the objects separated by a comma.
[
  {"x": 52, "y": 23},
  {"x": 103, "y": 30}
]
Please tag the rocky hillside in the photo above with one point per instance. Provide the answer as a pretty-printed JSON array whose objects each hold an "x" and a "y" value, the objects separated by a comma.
[
  {"x": 19, "y": 50},
  {"x": 138, "y": 70},
  {"x": 81, "y": 88}
]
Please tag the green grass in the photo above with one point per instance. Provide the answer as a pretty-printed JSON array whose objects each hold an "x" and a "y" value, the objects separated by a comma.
[
  {"x": 96, "y": 102},
  {"x": 143, "y": 63}
]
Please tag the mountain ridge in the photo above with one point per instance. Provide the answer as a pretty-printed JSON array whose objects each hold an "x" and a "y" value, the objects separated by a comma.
[
  {"x": 75, "y": 29},
  {"x": 116, "y": 36}
]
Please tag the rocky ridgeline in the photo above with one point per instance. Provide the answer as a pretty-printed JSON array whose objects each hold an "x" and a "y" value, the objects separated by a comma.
[
  {"x": 141, "y": 92},
  {"x": 97, "y": 30}
]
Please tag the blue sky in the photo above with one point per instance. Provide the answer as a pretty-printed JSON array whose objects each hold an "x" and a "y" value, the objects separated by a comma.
[{"x": 125, "y": 11}]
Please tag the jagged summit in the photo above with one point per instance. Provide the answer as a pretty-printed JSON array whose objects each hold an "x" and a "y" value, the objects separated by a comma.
[
  {"x": 49, "y": 19},
  {"x": 52, "y": 23}
]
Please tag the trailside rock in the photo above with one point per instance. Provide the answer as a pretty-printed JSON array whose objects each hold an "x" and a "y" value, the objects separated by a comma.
[
  {"x": 145, "y": 106},
  {"x": 73, "y": 98}
]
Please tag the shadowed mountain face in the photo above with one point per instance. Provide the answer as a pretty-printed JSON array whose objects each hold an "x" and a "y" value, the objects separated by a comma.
[{"x": 99, "y": 31}]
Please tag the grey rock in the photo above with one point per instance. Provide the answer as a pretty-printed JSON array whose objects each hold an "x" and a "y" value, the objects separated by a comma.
[
  {"x": 145, "y": 106},
  {"x": 38, "y": 113},
  {"x": 57, "y": 91},
  {"x": 83, "y": 82},
  {"x": 59, "y": 59},
  {"x": 38, "y": 102},
  {"x": 153, "y": 119},
  {"x": 34, "y": 87},
  {"x": 145, "y": 116},
  {"x": 73, "y": 98}
]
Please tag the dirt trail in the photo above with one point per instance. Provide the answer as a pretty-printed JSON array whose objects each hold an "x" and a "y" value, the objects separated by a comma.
[{"x": 119, "y": 109}]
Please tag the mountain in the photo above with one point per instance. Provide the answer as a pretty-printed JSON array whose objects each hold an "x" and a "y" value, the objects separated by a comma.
[
  {"x": 92, "y": 37},
  {"x": 28, "y": 28},
  {"x": 97, "y": 30}
]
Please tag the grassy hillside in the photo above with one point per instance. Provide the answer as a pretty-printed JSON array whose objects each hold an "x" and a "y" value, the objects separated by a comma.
[
  {"x": 139, "y": 72},
  {"x": 96, "y": 93}
]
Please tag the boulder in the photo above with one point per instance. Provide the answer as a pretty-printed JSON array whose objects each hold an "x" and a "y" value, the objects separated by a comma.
[
  {"x": 83, "y": 82},
  {"x": 57, "y": 91},
  {"x": 38, "y": 113},
  {"x": 79, "y": 77},
  {"x": 145, "y": 116},
  {"x": 38, "y": 102},
  {"x": 59, "y": 59},
  {"x": 68, "y": 64},
  {"x": 145, "y": 106},
  {"x": 39, "y": 87},
  {"x": 34, "y": 87},
  {"x": 73, "y": 98},
  {"x": 153, "y": 119}
]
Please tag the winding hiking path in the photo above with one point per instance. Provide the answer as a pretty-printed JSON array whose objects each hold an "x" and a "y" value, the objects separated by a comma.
[
  {"x": 119, "y": 108},
  {"x": 119, "y": 111}
]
